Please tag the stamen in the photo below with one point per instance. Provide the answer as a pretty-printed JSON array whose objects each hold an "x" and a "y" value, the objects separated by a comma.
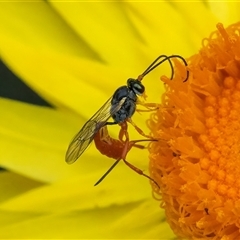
[{"x": 198, "y": 166}]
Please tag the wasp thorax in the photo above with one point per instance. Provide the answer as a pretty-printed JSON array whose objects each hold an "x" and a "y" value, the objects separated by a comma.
[{"x": 136, "y": 86}]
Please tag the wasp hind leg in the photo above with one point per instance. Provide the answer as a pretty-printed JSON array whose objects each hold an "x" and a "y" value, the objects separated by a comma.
[
  {"x": 139, "y": 171},
  {"x": 127, "y": 148}
]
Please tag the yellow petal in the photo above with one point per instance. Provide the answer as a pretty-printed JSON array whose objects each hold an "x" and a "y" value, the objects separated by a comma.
[
  {"x": 171, "y": 21},
  {"x": 68, "y": 209},
  {"x": 36, "y": 24},
  {"x": 78, "y": 193},
  {"x": 226, "y": 11},
  {"x": 105, "y": 26},
  {"x": 104, "y": 223},
  {"x": 66, "y": 82},
  {"x": 12, "y": 184}
]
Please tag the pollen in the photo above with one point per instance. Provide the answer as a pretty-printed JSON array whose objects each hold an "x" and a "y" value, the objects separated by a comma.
[{"x": 196, "y": 161}]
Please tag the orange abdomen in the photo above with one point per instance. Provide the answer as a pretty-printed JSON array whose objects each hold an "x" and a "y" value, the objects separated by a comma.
[{"x": 108, "y": 146}]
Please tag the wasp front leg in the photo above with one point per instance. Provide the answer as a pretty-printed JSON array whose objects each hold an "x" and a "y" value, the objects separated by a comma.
[
  {"x": 124, "y": 137},
  {"x": 149, "y": 107},
  {"x": 139, "y": 130}
]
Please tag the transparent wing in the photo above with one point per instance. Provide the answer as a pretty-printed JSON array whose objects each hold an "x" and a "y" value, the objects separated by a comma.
[{"x": 85, "y": 136}]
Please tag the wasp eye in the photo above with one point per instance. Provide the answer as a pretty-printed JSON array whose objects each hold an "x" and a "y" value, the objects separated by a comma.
[{"x": 136, "y": 86}]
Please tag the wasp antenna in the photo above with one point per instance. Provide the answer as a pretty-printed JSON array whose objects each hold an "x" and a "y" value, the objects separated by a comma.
[
  {"x": 156, "y": 63},
  {"x": 107, "y": 172},
  {"x": 187, "y": 74},
  {"x": 153, "y": 65}
]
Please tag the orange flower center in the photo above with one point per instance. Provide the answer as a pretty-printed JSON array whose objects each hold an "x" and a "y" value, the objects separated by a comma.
[{"x": 197, "y": 159}]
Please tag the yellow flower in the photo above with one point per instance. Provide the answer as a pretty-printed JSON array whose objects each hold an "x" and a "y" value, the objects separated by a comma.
[
  {"x": 74, "y": 55},
  {"x": 197, "y": 166}
]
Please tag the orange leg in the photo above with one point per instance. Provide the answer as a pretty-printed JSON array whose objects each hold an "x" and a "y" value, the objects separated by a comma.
[
  {"x": 139, "y": 130},
  {"x": 127, "y": 148},
  {"x": 149, "y": 107},
  {"x": 139, "y": 171},
  {"x": 123, "y": 133}
]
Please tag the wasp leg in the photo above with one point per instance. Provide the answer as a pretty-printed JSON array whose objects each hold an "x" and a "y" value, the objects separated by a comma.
[
  {"x": 139, "y": 171},
  {"x": 139, "y": 130},
  {"x": 107, "y": 172},
  {"x": 123, "y": 133},
  {"x": 110, "y": 123},
  {"x": 127, "y": 148},
  {"x": 149, "y": 106}
]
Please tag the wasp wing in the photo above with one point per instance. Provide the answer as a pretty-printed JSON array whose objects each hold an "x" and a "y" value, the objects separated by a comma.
[{"x": 85, "y": 136}]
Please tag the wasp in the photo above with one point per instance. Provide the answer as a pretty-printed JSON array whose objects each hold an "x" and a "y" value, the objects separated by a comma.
[{"x": 120, "y": 107}]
